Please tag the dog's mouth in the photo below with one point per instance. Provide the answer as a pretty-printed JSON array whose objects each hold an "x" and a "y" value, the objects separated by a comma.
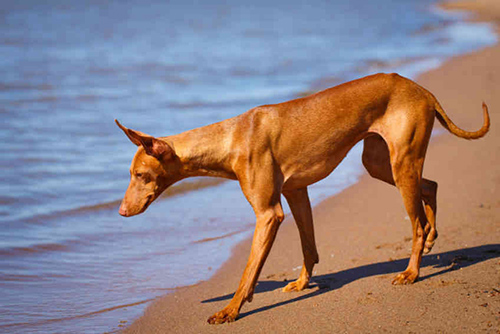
[{"x": 149, "y": 200}]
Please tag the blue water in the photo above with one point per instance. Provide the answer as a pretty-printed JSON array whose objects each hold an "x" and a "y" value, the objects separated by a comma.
[{"x": 68, "y": 261}]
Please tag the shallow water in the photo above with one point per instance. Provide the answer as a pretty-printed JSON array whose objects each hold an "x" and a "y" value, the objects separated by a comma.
[{"x": 68, "y": 261}]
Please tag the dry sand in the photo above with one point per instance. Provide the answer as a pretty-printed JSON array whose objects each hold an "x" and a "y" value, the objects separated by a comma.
[{"x": 363, "y": 237}]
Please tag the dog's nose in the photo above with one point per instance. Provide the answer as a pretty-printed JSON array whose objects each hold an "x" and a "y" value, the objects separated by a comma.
[{"x": 123, "y": 211}]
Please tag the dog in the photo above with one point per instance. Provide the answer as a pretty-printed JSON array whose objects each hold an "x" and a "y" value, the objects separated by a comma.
[{"x": 283, "y": 148}]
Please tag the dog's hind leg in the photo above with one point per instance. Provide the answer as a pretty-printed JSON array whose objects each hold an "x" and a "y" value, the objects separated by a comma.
[
  {"x": 300, "y": 206},
  {"x": 376, "y": 160},
  {"x": 429, "y": 192},
  {"x": 407, "y": 143},
  {"x": 408, "y": 180}
]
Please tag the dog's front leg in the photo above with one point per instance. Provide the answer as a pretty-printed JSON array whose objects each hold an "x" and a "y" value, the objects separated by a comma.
[
  {"x": 265, "y": 232},
  {"x": 263, "y": 192},
  {"x": 300, "y": 205}
]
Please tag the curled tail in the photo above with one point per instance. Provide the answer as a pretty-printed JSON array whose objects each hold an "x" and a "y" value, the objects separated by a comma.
[{"x": 450, "y": 126}]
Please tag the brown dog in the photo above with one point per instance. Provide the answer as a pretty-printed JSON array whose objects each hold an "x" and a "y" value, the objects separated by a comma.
[{"x": 283, "y": 148}]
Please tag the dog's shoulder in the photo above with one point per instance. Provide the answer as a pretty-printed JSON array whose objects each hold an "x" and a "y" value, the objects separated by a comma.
[{"x": 261, "y": 115}]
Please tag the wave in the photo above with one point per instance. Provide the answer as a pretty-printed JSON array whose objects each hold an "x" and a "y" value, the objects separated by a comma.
[
  {"x": 16, "y": 251},
  {"x": 63, "y": 246},
  {"x": 247, "y": 227},
  {"x": 189, "y": 186},
  {"x": 69, "y": 245},
  {"x": 175, "y": 190},
  {"x": 29, "y": 278},
  {"x": 79, "y": 316}
]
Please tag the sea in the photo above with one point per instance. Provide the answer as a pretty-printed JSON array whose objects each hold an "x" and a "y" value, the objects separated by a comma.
[{"x": 69, "y": 263}]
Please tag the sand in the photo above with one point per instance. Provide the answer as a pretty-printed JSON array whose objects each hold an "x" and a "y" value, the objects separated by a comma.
[{"x": 363, "y": 237}]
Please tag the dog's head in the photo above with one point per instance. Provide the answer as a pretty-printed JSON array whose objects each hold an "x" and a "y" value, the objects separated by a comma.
[{"x": 154, "y": 168}]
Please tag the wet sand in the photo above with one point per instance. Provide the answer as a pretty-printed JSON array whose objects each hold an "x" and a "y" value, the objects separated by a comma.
[{"x": 364, "y": 239}]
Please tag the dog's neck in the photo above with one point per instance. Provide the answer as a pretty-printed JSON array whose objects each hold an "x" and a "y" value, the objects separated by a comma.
[{"x": 204, "y": 151}]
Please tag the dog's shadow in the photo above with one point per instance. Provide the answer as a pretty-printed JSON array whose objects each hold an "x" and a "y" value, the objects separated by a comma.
[{"x": 449, "y": 261}]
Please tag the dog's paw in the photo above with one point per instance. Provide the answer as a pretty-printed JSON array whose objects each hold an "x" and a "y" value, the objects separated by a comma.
[
  {"x": 226, "y": 315},
  {"x": 406, "y": 277},
  {"x": 428, "y": 246},
  {"x": 429, "y": 241},
  {"x": 297, "y": 285}
]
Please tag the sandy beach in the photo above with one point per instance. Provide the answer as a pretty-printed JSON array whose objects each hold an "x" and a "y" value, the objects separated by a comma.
[{"x": 364, "y": 239}]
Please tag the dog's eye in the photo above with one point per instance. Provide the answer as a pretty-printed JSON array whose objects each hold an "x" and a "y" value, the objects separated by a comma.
[{"x": 144, "y": 177}]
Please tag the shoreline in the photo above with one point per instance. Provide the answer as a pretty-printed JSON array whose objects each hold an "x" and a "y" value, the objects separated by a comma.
[{"x": 343, "y": 277}]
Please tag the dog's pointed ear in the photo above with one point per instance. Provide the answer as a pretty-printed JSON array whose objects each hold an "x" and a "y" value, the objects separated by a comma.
[
  {"x": 152, "y": 146},
  {"x": 131, "y": 134}
]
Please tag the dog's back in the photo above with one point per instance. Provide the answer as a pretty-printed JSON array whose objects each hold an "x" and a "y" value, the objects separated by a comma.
[{"x": 310, "y": 136}]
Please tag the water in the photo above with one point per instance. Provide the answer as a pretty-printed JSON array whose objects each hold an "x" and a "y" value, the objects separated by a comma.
[{"x": 68, "y": 261}]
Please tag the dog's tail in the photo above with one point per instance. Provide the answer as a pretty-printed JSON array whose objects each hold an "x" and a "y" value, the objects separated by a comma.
[{"x": 450, "y": 126}]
